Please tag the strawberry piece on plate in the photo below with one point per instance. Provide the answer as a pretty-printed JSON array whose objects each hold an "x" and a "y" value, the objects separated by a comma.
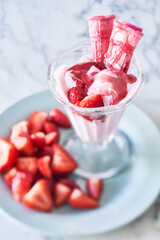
[
  {"x": 21, "y": 184},
  {"x": 68, "y": 182},
  {"x": 80, "y": 200},
  {"x": 44, "y": 166},
  {"x": 59, "y": 118},
  {"x": 36, "y": 121},
  {"x": 27, "y": 164},
  {"x": 38, "y": 139},
  {"x": 8, "y": 177},
  {"x": 92, "y": 101},
  {"x": 94, "y": 187},
  {"x": 50, "y": 127},
  {"x": 61, "y": 194},
  {"x": 20, "y": 129},
  {"x": 8, "y": 154},
  {"x": 62, "y": 163},
  {"x": 39, "y": 197},
  {"x": 76, "y": 95},
  {"x": 24, "y": 145},
  {"x": 51, "y": 138}
]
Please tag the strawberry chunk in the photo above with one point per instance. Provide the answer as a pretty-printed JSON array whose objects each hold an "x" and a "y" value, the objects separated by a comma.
[
  {"x": 21, "y": 184},
  {"x": 62, "y": 163},
  {"x": 8, "y": 177},
  {"x": 36, "y": 121},
  {"x": 20, "y": 129},
  {"x": 80, "y": 200},
  {"x": 61, "y": 194},
  {"x": 59, "y": 118},
  {"x": 39, "y": 197},
  {"x": 28, "y": 164},
  {"x": 50, "y": 127},
  {"x": 8, "y": 154},
  {"x": 51, "y": 138},
  {"x": 24, "y": 145},
  {"x": 94, "y": 187},
  {"x": 68, "y": 182},
  {"x": 38, "y": 139},
  {"x": 76, "y": 95},
  {"x": 92, "y": 101},
  {"x": 44, "y": 166}
]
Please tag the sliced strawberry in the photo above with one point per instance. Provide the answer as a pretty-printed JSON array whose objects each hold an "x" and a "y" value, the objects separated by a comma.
[
  {"x": 38, "y": 139},
  {"x": 94, "y": 187},
  {"x": 51, "y": 138},
  {"x": 80, "y": 200},
  {"x": 21, "y": 184},
  {"x": 62, "y": 162},
  {"x": 75, "y": 95},
  {"x": 24, "y": 145},
  {"x": 39, "y": 197},
  {"x": 47, "y": 150},
  {"x": 36, "y": 121},
  {"x": 61, "y": 194},
  {"x": 44, "y": 166},
  {"x": 27, "y": 164},
  {"x": 50, "y": 127},
  {"x": 68, "y": 182},
  {"x": 59, "y": 118},
  {"x": 8, "y": 177},
  {"x": 20, "y": 129},
  {"x": 8, "y": 154},
  {"x": 92, "y": 101}
]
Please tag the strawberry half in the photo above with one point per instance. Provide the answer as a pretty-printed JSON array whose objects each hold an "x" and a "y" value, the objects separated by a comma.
[
  {"x": 80, "y": 200},
  {"x": 68, "y": 182},
  {"x": 50, "y": 127},
  {"x": 59, "y": 118},
  {"x": 92, "y": 101},
  {"x": 61, "y": 194},
  {"x": 21, "y": 184},
  {"x": 44, "y": 166},
  {"x": 28, "y": 164},
  {"x": 76, "y": 95},
  {"x": 20, "y": 129},
  {"x": 8, "y": 177},
  {"x": 38, "y": 139},
  {"x": 94, "y": 187},
  {"x": 24, "y": 145},
  {"x": 51, "y": 138},
  {"x": 8, "y": 154},
  {"x": 62, "y": 162},
  {"x": 36, "y": 121},
  {"x": 39, "y": 197}
]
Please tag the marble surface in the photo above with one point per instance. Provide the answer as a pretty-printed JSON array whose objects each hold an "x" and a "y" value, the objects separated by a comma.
[{"x": 33, "y": 31}]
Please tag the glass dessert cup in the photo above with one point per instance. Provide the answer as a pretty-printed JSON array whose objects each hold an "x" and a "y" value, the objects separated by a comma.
[{"x": 99, "y": 148}]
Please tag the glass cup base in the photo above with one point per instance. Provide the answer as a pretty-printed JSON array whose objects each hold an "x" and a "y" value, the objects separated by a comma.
[{"x": 101, "y": 160}]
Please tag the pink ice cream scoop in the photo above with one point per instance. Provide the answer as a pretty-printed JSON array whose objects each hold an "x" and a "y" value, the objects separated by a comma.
[
  {"x": 112, "y": 85},
  {"x": 100, "y": 29},
  {"x": 123, "y": 41}
]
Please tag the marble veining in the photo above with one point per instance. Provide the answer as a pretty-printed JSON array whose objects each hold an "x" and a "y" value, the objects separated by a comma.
[{"x": 32, "y": 32}]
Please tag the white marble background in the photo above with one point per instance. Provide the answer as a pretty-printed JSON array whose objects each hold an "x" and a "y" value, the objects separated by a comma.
[{"x": 33, "y": 31}]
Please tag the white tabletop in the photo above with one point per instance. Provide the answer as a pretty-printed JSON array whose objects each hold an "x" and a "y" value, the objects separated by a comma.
[{"x": 32, "y": 32}]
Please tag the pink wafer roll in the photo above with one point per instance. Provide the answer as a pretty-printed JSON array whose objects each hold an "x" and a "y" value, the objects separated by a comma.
[
  {"x": 124, "y": 39},
  {"x": 100, "y": 29}
]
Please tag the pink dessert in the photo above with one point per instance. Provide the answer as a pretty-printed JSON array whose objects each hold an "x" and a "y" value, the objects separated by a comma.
[{"x": 100, "y": 79}]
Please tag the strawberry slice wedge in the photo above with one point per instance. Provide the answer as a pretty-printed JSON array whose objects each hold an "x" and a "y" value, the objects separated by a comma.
[
  {"x": 24, "y": 145},
  {"x": 44, "y": 166},
  {"x": 51, "y": 138},
  {"x": 8, "y": 177},
  {"x": 8, "y": 154},
  {"x": 61, "y": 194},
  {"x": 21, "y": 184},
  {"x": 36, "y": 121},
  {"x": 38, "y": 139},
  {"x": 59, "y": 118},
  {"x": 28, "y": 164},
  {"x": 92, "y": 101},
  {"x": 50, "y": 127},
  {"x": 20, "y": 129},
  {"x": 39, "y": 197},
  {"x": 80, "y": 200},
  {"x": 94, "y": 187},
  {"x": 62, "y": 162}
]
